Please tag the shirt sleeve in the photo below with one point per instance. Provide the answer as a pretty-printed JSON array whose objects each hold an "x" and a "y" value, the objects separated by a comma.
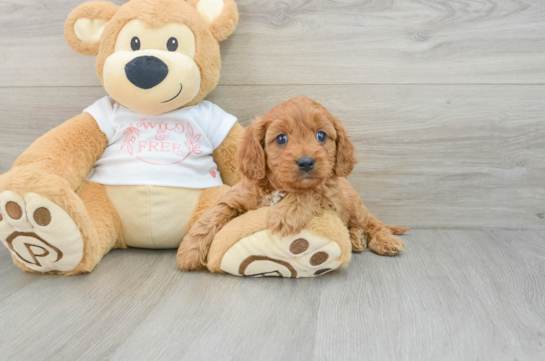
[
  {"x": 220, "y": 124},
  {"x": 102, "y": 111}
]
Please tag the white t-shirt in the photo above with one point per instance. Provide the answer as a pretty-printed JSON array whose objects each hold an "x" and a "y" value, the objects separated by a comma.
[{"x": 172, "y": 149}]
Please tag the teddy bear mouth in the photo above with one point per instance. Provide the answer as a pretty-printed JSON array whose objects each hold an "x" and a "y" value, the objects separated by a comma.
[{"x": 181, "y": 87}]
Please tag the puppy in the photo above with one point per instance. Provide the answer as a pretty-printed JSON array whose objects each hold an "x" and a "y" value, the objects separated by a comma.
[{"x": 299, "y": 152}]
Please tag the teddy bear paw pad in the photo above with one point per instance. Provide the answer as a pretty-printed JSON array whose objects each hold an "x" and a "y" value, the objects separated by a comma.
[
  {"x": 39, "y": 233},
  {"x": 263, "y": 255}
]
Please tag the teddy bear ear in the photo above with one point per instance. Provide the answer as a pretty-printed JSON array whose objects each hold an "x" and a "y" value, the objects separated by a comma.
[
  {"x": 85, "y": 25},
  {"x": 220, "y": 15}
]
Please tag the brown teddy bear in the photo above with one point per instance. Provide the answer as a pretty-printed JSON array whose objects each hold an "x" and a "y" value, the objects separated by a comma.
[{"x": 140, "y": 166}]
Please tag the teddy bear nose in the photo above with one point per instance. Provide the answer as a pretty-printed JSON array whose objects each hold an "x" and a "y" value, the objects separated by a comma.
[
  {"x": 146, "y": 71},
  {"x": 305, "y": 163}
]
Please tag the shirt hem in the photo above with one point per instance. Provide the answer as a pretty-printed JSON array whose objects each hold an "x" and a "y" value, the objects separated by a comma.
[{"x": 176, "y": 183}]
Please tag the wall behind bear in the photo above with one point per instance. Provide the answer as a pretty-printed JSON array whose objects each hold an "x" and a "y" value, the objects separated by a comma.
[{"x": 444, "y": 100}]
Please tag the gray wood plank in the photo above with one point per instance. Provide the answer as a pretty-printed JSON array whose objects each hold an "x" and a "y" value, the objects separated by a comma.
[
  {"x": 452, "y": 295},
  {"x": 455, "y": 295},
  {"x": 430, "y": 156},
  {"x": 54, "y": 316},
  {"x": 316, "y": 42},
  {"x": 237, "y": 320},
  {"x": 10, "y": 281}
]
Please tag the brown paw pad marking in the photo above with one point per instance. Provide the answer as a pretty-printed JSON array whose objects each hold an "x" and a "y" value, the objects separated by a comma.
[
  {"x": 1, "y": 218},
  {"x": 299, "y": 246},
  {"x": 251, "y": 259},
  {"x": 42, "y": 216},
  {"x": 318, "y": 258},
  {"x": 14, "y": 210},
  {"x": 322, "y": 271},
  {"x": 31, "y": 247}
]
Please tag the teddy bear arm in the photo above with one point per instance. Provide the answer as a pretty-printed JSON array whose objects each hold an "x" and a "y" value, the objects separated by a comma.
[
  {"x": 225, "y": 156},
  {"x": 68, "y": 151}
]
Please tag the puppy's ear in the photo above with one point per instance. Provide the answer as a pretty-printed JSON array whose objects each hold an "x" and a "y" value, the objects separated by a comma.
[
  {"x": 346, "y": 152},
  {"x": 220, "y": 15},
  {"x": 85, "y": 25},
  {"x": 251, "y": 156}
]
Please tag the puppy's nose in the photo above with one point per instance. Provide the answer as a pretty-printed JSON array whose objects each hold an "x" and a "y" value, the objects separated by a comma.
[
  {"x": 305, "y": 163},
  {"x": 146, "y": 71}
]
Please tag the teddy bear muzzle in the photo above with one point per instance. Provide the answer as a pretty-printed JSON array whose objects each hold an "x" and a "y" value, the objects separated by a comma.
[{"x": 151, "y": 81}]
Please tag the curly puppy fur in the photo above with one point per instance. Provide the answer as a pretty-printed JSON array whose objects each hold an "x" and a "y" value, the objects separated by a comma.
[{"x": 268, "y": 166}]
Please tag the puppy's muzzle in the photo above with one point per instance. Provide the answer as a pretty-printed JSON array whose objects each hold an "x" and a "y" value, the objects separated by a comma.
[
  {"x": 306, "y": 164},
  {"x": 146, "y": 72}
]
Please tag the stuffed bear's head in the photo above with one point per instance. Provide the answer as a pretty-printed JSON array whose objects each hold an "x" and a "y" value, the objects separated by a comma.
[{"x": 154, "y": 56}]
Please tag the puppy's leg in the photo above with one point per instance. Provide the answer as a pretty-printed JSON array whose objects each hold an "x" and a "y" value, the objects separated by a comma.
[
  {"x": 396, "y": 229},
  {"x": 194, "y": 248},
  {"x": 379, "y": 236},
  {"x": 357, "y": 239}
]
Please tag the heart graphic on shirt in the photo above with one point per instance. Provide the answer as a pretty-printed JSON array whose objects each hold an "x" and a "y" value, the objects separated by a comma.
[{"x": 213, "y": 173}]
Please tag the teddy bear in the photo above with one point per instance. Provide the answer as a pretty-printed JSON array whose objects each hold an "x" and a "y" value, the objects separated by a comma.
[{"x": 139, "y": 167}]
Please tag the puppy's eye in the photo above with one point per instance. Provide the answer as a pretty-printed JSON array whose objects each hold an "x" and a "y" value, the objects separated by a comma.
[
  {"x": 172, "y": 44},
  {"x": 321, "y": 137},
  {"x": 282, "y": 140},
  {"x": 135, "y": 44}
]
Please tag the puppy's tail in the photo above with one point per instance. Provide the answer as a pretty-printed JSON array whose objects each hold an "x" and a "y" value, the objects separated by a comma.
[{"x": 396, "y": 229}]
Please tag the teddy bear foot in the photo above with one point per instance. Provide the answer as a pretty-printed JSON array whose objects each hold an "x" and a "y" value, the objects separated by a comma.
[
  {"x": 263, "y": 254},
  {"x": 39, "y": 233},
  {"x": 246, "y": 247}
]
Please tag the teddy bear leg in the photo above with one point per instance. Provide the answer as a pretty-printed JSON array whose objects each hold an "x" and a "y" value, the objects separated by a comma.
[
  {"x": 67, "y": 236},
  {"x": 246, "y": 247}
]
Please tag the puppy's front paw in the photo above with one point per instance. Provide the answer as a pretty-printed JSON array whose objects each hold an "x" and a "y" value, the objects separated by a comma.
[
  {"x": 386, "y": 245},
  {"x": 284, "y": 223},
  {"x": 189, "y": 258},
  {"x": 283, "y": 226}
]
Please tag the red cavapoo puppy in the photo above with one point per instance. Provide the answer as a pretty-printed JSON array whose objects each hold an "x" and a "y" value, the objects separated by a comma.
[{"x": 302, "y": 152}]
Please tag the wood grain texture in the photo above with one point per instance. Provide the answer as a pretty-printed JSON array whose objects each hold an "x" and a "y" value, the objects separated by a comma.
[
  {"x": 452, "y": 295},
  {"x": 316, "y": 42},
  {"x": 430, "y": 156}
]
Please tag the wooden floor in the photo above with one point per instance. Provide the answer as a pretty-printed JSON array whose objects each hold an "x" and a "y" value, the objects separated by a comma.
[{"x": 452, "y": 295}]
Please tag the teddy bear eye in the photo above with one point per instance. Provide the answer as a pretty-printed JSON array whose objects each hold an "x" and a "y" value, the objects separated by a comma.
[
  {"x": 172, "y": 44},
  {"x": 135, "y": 44},
  {"x": 321, "y": 136},
  {"x": 282, "y": 140}
]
